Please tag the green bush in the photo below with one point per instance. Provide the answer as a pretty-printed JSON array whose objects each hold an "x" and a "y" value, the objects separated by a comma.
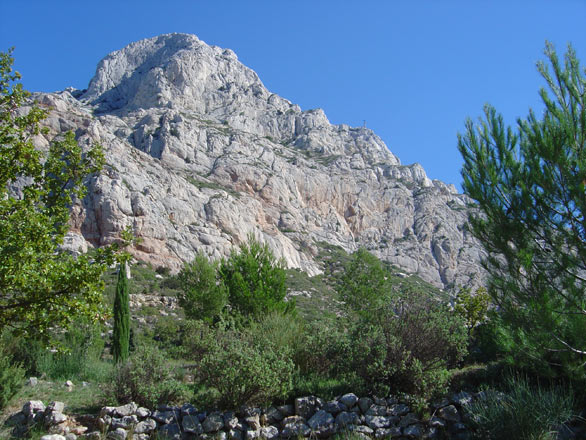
[
  {"x": 11, "y": 378},
  {"x": 147, "y": 379},
  {"x": 525, "y": 412},
  {"x": 203, "y": 294},
  {"x": 408, "y": 346},
  {"x": 241, "y": 369},
  {"x": 255, "y": 280}
]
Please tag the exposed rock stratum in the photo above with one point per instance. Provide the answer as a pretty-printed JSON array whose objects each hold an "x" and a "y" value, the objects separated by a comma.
[{"x": 200, "y": 154}]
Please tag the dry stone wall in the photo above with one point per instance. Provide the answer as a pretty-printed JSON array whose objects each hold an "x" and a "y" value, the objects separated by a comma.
[{"x": 306, "y": 417}]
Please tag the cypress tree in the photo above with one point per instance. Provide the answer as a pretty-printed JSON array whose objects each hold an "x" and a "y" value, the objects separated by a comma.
[{"x": 121, "y": 336}]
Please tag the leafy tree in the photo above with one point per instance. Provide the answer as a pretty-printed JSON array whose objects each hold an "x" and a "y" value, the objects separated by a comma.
[
  {"x": 203, "y": 293},
  {"x": 472, "y": 307},
  {"x": 529, "y": 185},
  {"x": 255, "y": 280},
  {"x": 41, "y": 286},
  {"x": 365, "y": 284},
  {"x": 121, "y": 335}
]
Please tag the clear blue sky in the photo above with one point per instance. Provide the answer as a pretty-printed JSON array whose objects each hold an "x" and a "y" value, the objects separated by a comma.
[{"x": 414, "y": 70}]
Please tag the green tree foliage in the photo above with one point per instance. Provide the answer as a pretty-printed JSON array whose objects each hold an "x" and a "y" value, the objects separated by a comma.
[
  {"x": 121, "y": 334},
  {"x": 255, "y": 280},
  {"x": 405, "y": 340},
  {"x": 473, "y": 307},
  {"x": 11, "y": 378},
  {"x": 40, "y": 286},
  {"x": 529, "y": 184},
  {"x": 365, "y": 283},
  {"x": 203, "y": 293}
]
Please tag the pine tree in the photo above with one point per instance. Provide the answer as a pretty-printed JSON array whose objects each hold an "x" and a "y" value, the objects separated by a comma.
[
  {"x": 121, "y": 336},
  {"x": 529, "y": 184}
]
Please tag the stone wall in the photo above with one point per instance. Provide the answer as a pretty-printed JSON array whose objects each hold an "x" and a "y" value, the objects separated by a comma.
[{"x": 368, "y": 417}]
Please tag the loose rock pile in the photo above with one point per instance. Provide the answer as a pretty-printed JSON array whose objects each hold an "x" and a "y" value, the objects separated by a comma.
[
  {"x": 306, "y": 417},
  {"x": 34, "y": 412}
]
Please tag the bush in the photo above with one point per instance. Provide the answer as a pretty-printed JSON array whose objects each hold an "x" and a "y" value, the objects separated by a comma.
[
  {"x": 147, "y": 379},
  {"x": 408, "y": 346},
  {"x": 11, "y": 378},
  {"x": 241, "y": 369},
  {"x": 255, "y": 280},
  {"x": 203, "y": 294},
  {"x": 524, "y": 412}
]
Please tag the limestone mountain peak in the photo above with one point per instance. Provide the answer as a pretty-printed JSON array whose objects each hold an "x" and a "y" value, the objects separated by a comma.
[{"x": 200, "y": 154}]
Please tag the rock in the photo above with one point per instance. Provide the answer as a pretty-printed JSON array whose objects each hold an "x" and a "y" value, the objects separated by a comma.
[
  {"x": 393, "y": 432},
  {"x": 346, "y": 418},
  {"x": 143, "y": 412},
  {"x": 364, "y": 403},
  {"x": 462, "y": 398},
  {"x": 398, "y": 409},
  {"x": 32, "y": 382},
  {"x": 295, "y": 426},
  {"x": 269, "y": 432},
  {"x": 79, "y": 430},
  {"x": 191, "y": 424},
  {"x": 68, "y": 384},
  {"x": 413, "y": 431},
  {"x": 334, "y": 407},
  {"x": 363, "y": 430},
  {"x": 188, "y": 409},
  {"x": 376, "y": 422},
  {"x": 321, "y": 421},
  {"x": 117, "y": 434},
  {"x": 55, "y": 407},
  {"x": 146, "y": 426},
  {"x": 70, "y": 436},
  {"x": 253, "y": 422},
  {"x": 33, "y": 406},
  {"x": 180, "y": 136},
  {"x": 213, "y": 422},
  {"x": 230, "y": 420},
  {"x": 449, "y": 413},
  {"x": 377, "y": 410},
  {"x": 274, "y": 415},
  {"x": 349, "y": 400},
  {"x": 16, "y": 419},
  {"x": 171, "y": 431},
  {"x": 55, "y": 418},
  {"x": 408, "y": 419},
  {"x": 286, "y": 410},
  {"x": 53, "y": 437},
  {"x": 164, "y": 417},
  {"x": 125, "y": 410},
  {"x": 307, "y": 406}
]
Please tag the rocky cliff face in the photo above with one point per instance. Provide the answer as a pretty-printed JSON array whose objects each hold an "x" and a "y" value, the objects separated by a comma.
[{"x": 200, "y": 154}]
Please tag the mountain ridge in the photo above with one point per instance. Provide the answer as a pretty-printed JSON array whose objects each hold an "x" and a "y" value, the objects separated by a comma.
[{"x": 200, "y": 154}]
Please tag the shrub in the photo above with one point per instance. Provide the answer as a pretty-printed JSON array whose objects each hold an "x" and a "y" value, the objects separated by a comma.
[
  {"x": 147, "y": 379},
  {"x": 11, "y": 377},
  {"x": 78, "y": 357},
  {"x": 523, "y": 413},
  {"x": 203, "y": 294},
  {"x": 255, "y": 280},
  {"x": 243, "y": 371},
  {"x": 408, "y": 346}
]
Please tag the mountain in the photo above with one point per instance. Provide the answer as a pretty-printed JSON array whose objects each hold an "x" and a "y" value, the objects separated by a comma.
[{"x": 200, "y": 154}]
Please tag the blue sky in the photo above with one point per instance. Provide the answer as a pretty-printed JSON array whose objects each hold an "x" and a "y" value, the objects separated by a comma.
[{"x": 414, "y": 70}]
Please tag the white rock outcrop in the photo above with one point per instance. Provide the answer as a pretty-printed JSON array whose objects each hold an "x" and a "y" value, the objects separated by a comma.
[{"x": 200, "y": 154}]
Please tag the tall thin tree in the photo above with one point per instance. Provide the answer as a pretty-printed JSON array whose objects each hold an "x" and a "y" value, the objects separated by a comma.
[{"x": 121, "y": 336}]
